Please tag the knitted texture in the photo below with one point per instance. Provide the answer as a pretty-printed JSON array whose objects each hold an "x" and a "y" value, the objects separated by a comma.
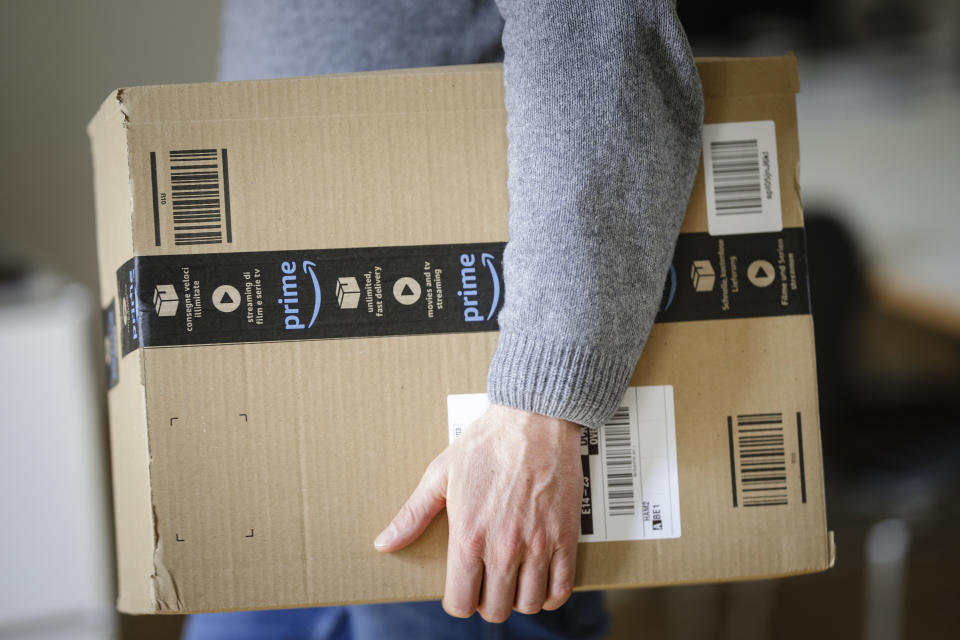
[{"x": 604, "y": 116}]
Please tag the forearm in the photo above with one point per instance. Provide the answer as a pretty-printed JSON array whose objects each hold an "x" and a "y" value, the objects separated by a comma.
[{"x": 604, "y": 119}]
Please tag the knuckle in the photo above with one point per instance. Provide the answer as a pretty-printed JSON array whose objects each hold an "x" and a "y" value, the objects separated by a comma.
[
  {"x": 529, "y": 608},
  {"x": 494, "y": 614},
  {"x": 566, "y": 555},
  {"x": 507, "y": 549},
  {"x": 537, "y": 547},
  {"x": 407, "y": 513},
  {"x": 435, "y": 468},
  {"x": 471, "y": 542},
  {"x": 552, "y": 605},
  {"x": 560, "y": 592},
  {"x": 563, "y": 589},
  {"x": 457, "y": 610},
  {"x": 568, "y": 539}
]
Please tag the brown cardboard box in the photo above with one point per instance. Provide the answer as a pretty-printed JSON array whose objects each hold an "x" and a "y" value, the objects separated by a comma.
[{"x": 278, "y": 262}]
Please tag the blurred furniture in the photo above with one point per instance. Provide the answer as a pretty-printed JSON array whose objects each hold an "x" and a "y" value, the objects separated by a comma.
[
  {"x": 879, "y": 147},
  {"x": 56, "y": 576}
]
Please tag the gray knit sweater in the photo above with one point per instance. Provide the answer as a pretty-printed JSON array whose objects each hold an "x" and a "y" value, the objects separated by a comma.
[{"x": 604, "y": 114}]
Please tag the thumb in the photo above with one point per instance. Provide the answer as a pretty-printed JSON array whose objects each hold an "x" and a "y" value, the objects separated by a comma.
[{"x": 426, "y": 501}]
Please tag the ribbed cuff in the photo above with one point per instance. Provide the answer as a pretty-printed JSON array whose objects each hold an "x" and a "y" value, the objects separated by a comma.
[{"x": 571, "y": 382}]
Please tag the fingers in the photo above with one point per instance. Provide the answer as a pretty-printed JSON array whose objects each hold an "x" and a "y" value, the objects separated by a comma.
[
  {"x": 497, "y": 595},
  {"x": 563, "y": 569},
  {"x": 426, "y": 501},
  {"x": 461, "y": 592},
  {"x": 532, "y": 585}
]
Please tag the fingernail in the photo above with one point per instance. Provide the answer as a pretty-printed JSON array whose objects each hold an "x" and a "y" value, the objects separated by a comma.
[{"x": 386, "y": 537}]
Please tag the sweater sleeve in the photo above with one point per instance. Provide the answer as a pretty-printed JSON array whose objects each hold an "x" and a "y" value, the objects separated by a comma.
[{"x": 605, "y": 112}]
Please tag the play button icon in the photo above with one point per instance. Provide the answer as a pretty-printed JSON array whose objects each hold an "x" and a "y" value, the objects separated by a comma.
[
  {"x": 406, "y": 290},
  {"x": 761, "y": 273},
  {"x": 226, "y": 298}
]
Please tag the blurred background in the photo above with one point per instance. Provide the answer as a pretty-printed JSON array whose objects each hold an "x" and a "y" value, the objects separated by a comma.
[{"x": 879, "y": 122}]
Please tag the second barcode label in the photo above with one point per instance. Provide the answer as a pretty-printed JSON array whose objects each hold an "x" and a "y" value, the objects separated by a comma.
[
  {"x": 742, "y": 178},
  {"x": 630, "y": 484}
]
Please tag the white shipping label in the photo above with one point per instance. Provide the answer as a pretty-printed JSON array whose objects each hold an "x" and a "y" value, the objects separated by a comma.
[
  {"x": 630, "y": 485},
  {"x": 742, "y": 178}
]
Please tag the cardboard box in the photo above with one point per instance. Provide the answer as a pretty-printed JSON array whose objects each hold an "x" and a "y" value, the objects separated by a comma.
[{"x": 279, "y": 264}]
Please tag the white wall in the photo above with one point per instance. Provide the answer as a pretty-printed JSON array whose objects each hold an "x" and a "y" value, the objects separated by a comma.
[{"x": 58, "y": 61}]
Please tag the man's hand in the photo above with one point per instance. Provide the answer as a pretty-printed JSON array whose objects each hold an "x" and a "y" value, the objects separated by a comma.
[{"x": 512, "y": 485}]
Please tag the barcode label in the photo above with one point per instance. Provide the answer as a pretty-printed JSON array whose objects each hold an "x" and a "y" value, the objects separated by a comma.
[
  {"x": 197, "y": 205},
  {"x": 629, "y": 464},
  {"x": 742, "y": 177},
  {"x": 618, "y": 451},
  {"x": 758, "y": 459},
  {"x": 736, "y": 177}
]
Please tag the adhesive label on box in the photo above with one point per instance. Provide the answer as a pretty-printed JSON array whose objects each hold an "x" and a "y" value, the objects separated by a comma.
[
  {"x": 267, "y": 296},
  {"x": 630, "y": 482},
  {"x": 742, "y": 178}
]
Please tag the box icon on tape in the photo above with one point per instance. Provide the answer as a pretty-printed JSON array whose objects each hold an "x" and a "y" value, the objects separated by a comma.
[
  {"x": 702, "y": 275},
  {"x": 348, "y": 293},
  {"x": 165, "y": 300}
]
